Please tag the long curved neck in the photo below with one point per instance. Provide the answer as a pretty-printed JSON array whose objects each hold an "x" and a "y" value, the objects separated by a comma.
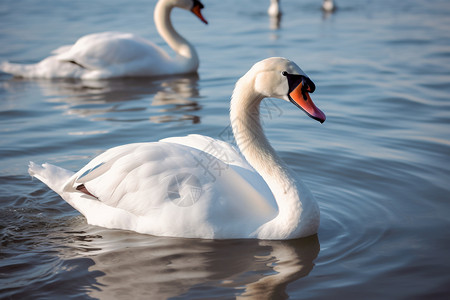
[
  {"x": 179, "y": 44},
  {"x": 249, "y": 135}
]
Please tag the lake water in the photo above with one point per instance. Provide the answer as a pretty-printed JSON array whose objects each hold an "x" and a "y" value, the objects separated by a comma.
[{"x": 379, "y": 165}]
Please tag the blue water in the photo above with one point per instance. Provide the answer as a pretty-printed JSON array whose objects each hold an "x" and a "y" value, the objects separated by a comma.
[{"x": 379, "y": 165}]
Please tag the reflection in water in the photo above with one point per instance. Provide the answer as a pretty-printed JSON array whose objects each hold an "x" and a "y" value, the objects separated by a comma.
[
  {"x": 115, "y": 100},
  {"x": 275, "y": 22},
  {"x": 326, "y": 15},
  {"x": 291, "y": 260},
  {"x": 134, "y": 265},
  {"x": 176, "y": 95}
]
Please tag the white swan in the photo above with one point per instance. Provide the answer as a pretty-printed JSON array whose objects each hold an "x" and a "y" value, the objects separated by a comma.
[
  {"x": 328, "y": 6},
  {"x": 274, "y": 8},
  {"x": 115, "y": 54},
  {"x": 197, "y": 186}
]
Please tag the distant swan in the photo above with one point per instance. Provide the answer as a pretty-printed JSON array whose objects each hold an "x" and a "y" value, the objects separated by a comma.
[
  {"x": 197, "y": 186},
  {"x": 274, "y": 8},
  {"x": 328, "y": 6},
  {"x": 115, "y": 54}
]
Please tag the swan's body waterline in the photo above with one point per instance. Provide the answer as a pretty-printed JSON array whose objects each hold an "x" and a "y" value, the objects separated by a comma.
[
  {"x": 115, "y": 54},
  {"x": 232, "y": 195}
]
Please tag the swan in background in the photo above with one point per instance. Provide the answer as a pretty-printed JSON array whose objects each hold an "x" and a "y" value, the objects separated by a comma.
[
  {"x": 274, "y": 13},
  {"x": 115, "y": 54},
  {"x": 328, "y": 6},
  {"x": 197, "y": 186},
  {"x": 274, "y": 8}
]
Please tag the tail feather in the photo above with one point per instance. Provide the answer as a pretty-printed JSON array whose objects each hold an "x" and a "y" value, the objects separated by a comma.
[
  {"x": 18, "y": 70},
  {"x": 96, "y": 212},
  {"x": 55, "y": 177},
  {"x": 50, "y": 67}
]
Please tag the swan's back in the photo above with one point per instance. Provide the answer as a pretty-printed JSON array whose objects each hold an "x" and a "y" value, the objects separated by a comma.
[
  {"x": 172, "y": 189},
  {"x": 109, "y": 49},
  {"x": 98, "y": 56}
]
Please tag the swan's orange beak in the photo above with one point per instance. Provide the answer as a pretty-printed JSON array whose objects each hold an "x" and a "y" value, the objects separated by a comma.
[
  {"x": 196, "y": 9},
  {"x": 300, "y": 97}
]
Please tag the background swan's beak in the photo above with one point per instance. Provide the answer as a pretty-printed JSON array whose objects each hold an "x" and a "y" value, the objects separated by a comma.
[
  {"x": 197, "y": 11},
  {"x": 302, "y": 100}
]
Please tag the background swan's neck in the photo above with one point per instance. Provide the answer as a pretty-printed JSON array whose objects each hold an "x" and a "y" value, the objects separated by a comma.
[
  {"x": 249, "y": 135},
  {"x": 179, "y": 44}
]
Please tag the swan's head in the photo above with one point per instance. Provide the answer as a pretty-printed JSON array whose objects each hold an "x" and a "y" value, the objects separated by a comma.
[
  {"x": 281, "y": 78},
  {"x": 195, "y": 6}
]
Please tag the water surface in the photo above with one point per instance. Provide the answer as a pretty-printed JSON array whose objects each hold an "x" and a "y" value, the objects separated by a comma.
[{"x": 378, "y": 166}]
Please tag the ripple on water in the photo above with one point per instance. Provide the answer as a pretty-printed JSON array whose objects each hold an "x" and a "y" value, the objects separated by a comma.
[{"x": 378, "y": 166}]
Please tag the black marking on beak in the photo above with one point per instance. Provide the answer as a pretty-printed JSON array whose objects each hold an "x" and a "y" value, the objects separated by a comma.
[
  {"x": 295, "y": 79},
  {"x": 199, "y": 4}
]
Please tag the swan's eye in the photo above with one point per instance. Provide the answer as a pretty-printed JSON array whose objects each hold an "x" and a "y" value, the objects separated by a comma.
[{"x": 284, "y": 73}]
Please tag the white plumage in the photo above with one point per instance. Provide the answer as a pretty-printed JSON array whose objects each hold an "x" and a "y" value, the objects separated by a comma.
[
  {"x": 197, "y": 186},
  {"x": 116, "y": 54},
  {"x": 328, "y": 6}
]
